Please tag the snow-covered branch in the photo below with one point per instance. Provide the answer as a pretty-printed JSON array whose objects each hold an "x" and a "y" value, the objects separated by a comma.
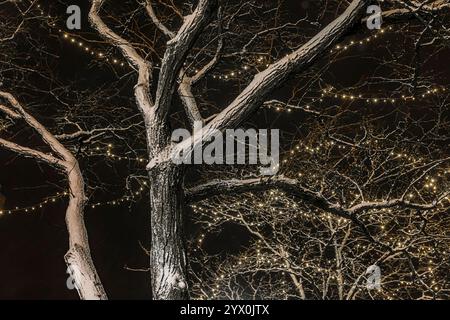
[{"x": 177, "y": 48}]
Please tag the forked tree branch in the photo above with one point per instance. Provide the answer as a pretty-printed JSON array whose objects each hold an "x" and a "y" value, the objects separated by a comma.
[{"x": 177, "y": 48}]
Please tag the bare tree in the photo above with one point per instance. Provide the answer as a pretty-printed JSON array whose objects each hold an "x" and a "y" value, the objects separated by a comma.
[{"x": 348, "y": 175}]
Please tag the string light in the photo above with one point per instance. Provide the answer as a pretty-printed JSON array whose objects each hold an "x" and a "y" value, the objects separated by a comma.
[
  {"x": 259, "y": 62},
  {"x": 37, "y": 206},
  {"x": 107, "y": 152},
  {"x": 72, "y": 39},
  {"x": 119, "y": 201},
  {"x": 263, "y": 62},
  {"x": 93, "y": 53},
  {"x": 331, "y": 93},
  {"x": 53, "y": 199},
  {"x": 353, "y": 43}
]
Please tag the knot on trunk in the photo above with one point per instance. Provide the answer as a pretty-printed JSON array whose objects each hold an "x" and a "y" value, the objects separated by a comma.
[{"x": 181, "y": 284}]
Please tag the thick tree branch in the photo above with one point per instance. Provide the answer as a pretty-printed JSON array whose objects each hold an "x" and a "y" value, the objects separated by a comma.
[
  {"x": 188, "y": 100},
  {"x": 294, "y": 188},
  {"x": 176, "y": 50},
  {"x": 291, "y": 186},
  {"x": 409, "y": 12},
  {"x": 185, "y": 86},
  {"x": 48, "y": 138},
  {"x": 277, "y": 73},
  {"x": 186, "y": 82},
  {"x": 31, "y": 153},
  {"x": 144, "y": 67}
]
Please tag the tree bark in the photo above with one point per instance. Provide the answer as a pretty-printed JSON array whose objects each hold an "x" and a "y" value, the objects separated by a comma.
[
  {"x": 78, "y": 258},
  {"x": 167, "y": 253}
]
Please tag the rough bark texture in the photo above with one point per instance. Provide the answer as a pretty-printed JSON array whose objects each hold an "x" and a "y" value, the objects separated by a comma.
[
  {"x": 167, "y": 254},
  {"x": 78, "y": 258}
]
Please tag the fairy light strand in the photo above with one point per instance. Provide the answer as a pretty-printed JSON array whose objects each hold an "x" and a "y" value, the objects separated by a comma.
[
  {"x": 58, "y": 196},
  {"x": 83, "y": 45}
]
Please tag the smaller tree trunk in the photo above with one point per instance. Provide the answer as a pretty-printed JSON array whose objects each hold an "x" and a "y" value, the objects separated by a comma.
[{"x": 78, "y": 258}]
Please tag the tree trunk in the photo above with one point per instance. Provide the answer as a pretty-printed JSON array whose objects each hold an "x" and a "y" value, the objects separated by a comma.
[
  {"x": 168, "y": 252},
  {"x": 78, "y": 258}
]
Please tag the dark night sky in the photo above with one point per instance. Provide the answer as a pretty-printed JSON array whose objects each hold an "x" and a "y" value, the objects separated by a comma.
[{"x": 32, "y": 245}]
